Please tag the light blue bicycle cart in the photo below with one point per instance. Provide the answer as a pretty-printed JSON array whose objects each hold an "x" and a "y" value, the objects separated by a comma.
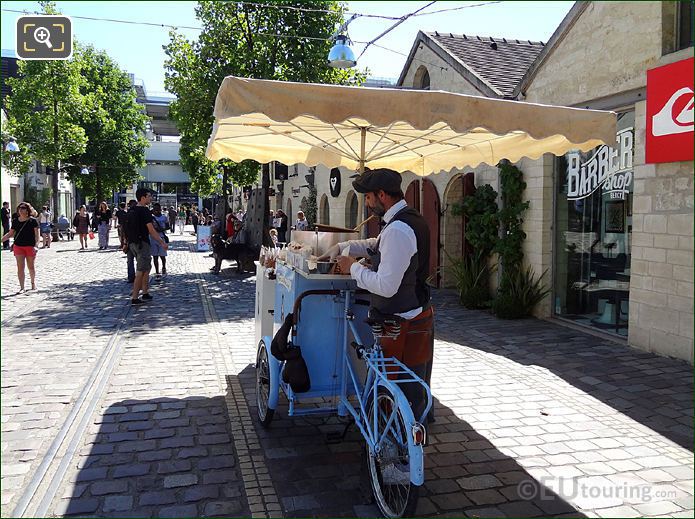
[{"x": 348, "y": 377}]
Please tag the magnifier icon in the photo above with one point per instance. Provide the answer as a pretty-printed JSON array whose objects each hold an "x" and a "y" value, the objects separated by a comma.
[{"x": 42, "y": 35}]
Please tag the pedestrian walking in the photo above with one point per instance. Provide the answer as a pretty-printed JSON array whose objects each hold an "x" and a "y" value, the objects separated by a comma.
[
  {"x": 81, "y": 225},
  {"x": 181, "y": 219},
  {"x": 130, "y": 257},
  {"x": 6, "y": 224},
  {"x": 173, "y": 215},
  {"x": 103, "y": 215},
  {"x": 120, "y": 216},
  {"x": 281, "y": 219},
  {"x": 194, "y": 221},
  {"x": 25, "y": 231},
  {"x": 140, "y": 228},
  {"x": 160, "y": 223},
  {"x": 45, "y": 218}
]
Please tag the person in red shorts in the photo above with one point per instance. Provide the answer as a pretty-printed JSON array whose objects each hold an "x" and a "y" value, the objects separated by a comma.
[{"x": 25, "y": 231}]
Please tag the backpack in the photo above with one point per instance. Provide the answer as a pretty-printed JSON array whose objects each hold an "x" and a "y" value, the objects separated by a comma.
[{"x": 133, "y": 228}]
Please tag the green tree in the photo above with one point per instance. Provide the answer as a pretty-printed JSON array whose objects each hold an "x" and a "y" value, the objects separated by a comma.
[
  {"x": 114, "y": 124},
  {"x": 43, "y": 110},
  {"x": 255, "y": 41}
]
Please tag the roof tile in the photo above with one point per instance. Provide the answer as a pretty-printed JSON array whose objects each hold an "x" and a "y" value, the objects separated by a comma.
[{"x": 500, "y": 62}]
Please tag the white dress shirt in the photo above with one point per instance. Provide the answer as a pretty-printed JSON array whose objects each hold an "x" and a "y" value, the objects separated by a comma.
[{"x": 397, "y": 245}]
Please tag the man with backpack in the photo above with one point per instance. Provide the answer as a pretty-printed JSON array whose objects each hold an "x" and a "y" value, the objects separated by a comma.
[
  {"x": 124, "y": 232},
  {"x": 139, "y": 229},
  {"x": 120, "y": 216}
]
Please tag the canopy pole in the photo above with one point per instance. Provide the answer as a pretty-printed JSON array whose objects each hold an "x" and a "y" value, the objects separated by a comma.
[
  {"x": 365, "y": 210},
  {"x": 363, "y": 140}
]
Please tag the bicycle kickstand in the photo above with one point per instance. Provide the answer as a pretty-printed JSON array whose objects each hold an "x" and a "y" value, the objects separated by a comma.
[{"x": 333, "y": 437}]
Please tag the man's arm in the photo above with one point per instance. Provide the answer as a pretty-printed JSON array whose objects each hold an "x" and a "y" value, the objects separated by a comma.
[{"x": 397, "y": 246}]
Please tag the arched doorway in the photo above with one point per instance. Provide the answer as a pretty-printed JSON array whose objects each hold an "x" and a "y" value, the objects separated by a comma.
[
  {"x": 324, "y": 211},
  {"x": 421, "y": 80},
  {"x": 454, "y": 227},
  {"x": 430, "y": 210},
  {"x": 351, "y": 210}
]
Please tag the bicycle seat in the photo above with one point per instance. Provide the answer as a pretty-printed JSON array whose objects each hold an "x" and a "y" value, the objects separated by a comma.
[{"x": 377, "y": 317}]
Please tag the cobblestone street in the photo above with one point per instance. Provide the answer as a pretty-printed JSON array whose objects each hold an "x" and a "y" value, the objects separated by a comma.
[{"x": 114, "y": 411}]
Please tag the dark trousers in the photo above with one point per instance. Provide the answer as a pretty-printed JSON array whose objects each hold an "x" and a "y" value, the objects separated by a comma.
[
  {"x": 5, "y": 230},
  {"x": 131, "y": 265}
]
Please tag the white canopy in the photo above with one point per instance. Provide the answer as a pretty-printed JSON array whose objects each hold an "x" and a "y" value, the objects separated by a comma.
[{"x": 406, "y": 130}]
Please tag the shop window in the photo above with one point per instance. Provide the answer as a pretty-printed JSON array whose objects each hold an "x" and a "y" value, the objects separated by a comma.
[
  {"x": 593, "y": 222},
  {"x": 685, "y": 25}
]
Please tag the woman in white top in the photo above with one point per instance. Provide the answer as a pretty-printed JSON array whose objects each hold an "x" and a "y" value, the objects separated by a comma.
[
  {"x": 302, "y": 223},
  {"x": 45, "y": 226}
]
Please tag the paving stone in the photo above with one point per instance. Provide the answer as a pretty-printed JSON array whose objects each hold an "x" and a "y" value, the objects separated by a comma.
[
  {"x": 101, "y": 488},
  {"x": 78, "y": 506},
  {"x": 117, "y": 503},
  {"x": 158, "y": 455},
  {"x": 222, "y": 508},
  {"x": 167, "y": 467},
  {"x": 193, "y": 452},
  {"x": 179, "y": 511},
  {"x": 485, "y": 497},
  {"x": 180, "y": 480},
  {"x": 129, "y": 471},
  {"x": 519, "y": 509},
  {"x": 91, "y": 474},
  {"x": 660, "y": 508},
  {"x": 200, "y": 492},
  {"x": 176, "y": 442},
  {"x": 479, "y": 482},
  {"x": 162, "y": 497},
  {"x": 453, "y": 501},
  {"x": 618, "y": 511}
]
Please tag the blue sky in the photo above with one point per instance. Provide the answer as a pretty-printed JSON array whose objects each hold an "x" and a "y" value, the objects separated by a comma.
[{"x": 138, "y": 48}]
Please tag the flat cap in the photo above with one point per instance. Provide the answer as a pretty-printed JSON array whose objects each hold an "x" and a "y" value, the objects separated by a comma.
[{"x": 376, "y": 179}]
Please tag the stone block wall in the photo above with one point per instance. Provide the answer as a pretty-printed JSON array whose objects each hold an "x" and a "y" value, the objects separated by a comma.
[
  {"x": 538, "y": 246},
  {"x": 661, "y": 283},
  {"x": 607, "y": 51}
]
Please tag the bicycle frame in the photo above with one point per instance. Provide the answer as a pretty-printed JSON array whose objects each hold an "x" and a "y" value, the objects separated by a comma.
[{"x": 377, "y": 376}]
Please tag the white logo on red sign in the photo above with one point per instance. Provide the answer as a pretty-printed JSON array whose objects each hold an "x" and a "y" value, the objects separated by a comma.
[{"x": 666, "y": 122}]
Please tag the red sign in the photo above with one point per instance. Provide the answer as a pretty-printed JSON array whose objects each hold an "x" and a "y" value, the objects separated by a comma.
[{"x": 670, "y": 93}]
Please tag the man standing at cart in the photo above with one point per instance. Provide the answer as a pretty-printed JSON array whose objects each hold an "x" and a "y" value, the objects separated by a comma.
[{"x": 395, "y": 275}]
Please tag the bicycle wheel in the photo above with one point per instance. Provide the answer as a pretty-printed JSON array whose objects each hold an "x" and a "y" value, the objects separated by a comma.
[
  {"x": 265, "y": 415},
  {"x": 389, "y": 469}
]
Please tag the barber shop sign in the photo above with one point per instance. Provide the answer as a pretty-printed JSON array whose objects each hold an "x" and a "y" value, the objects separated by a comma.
[{"x": 670, "y": 93}]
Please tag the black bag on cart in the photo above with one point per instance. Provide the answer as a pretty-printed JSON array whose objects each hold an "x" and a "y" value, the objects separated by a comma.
[{"x": 295, "y": 373}]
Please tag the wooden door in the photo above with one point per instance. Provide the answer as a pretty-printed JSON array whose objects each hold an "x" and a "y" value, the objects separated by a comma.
[{"x": 431, "y": 214}]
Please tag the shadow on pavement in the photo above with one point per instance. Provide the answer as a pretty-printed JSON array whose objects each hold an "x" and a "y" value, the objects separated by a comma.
[
  {"x": 465, "y": 474},
  {"x": 652, "y": 390},
  {"x": 163, "y": 457}
]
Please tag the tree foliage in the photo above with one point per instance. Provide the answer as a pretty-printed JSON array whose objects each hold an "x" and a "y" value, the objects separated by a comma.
[
  {"x": 256, "y": 41},
  {"x": 81, "y": 111},
  {"x": 114, "y": 123},
  {"x": 44, "y": 106}
]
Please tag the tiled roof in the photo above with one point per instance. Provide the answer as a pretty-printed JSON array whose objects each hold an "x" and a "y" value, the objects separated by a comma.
[{"x": 499, "y": 62}]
